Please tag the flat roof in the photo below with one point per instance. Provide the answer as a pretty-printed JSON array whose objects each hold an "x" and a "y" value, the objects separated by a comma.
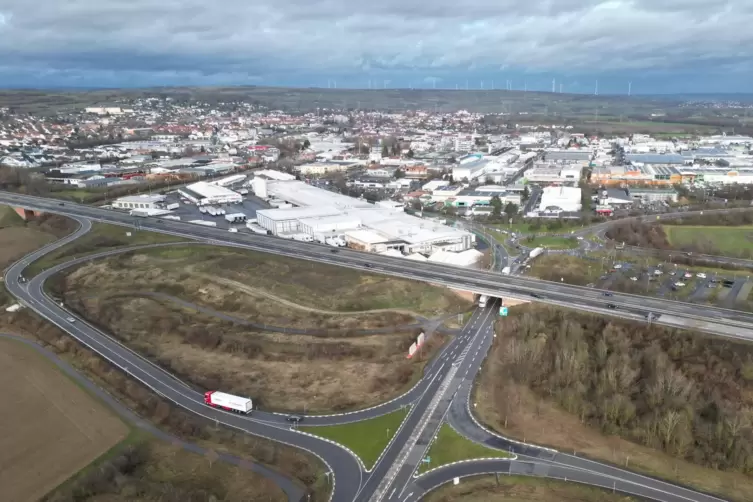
[
  {"x": 141, "y": 198},
  {"x": 297, "y": 213},
  {"x": 367, "y": 236},
  {"x": 205, "y": 190},
  {"x": 301, "y": 194}
]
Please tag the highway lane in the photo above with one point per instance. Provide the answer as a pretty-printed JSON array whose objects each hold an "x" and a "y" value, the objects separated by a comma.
[
  {"x": 520, "y": 467},
  {"x": 427, "y": 416},
  {"x": 479, "y": 281},
  {"x": 347, "y": 472}
]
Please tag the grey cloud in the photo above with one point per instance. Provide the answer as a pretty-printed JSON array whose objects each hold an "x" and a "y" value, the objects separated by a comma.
[{"x": 234, "y": 36}]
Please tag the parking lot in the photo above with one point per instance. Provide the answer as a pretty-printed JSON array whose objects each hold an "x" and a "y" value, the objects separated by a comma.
[
  {"x": 189, "y": 211},
  {"x": 727, "y": 289}
]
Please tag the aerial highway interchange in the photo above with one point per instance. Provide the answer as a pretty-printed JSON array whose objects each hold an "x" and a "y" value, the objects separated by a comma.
[{"x": 442, "y": 395}]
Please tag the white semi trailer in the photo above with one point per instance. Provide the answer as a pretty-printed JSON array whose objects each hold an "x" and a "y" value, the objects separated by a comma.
[{"x": 228, "y": 402}]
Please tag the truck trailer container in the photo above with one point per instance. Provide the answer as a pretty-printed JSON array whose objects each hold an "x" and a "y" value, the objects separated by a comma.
[
  {"x": 255, "y": 228},
  {"x": 174, "y": 205},
  {"x": 204, "y": 222},
  {"x": 482, "y": 301},
  {"x": 235, "y": 217},
  {"x": 228, "y": 402},
  {"x": 506, "y": 270},
  {"x": 535, "y": 252}
]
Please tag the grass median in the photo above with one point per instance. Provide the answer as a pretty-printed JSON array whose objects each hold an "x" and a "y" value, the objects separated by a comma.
[
  {"x": 449, "y": 447},
  {"x": 101, "y": 237},
  {"x": 367, "y": 438}
]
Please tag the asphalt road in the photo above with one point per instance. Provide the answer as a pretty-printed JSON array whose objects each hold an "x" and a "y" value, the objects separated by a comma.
[
  {"x": 338, "y": 460},
  {"x": 723, "y": 321},
  {"x": 432, "y": 400}
]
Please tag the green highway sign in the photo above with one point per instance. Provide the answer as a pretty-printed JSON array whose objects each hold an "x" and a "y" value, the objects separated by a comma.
[{"x": 503, "y": 311}]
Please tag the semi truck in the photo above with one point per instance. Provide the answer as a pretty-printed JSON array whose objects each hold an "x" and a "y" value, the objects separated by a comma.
[
  {"x": 228, "y": 402},
  {"x": 535, "y": 252},
  {"x": 235, "y": 218},
  {"x": 482, "y": 301},
  {"x": 506, "y": 270}
]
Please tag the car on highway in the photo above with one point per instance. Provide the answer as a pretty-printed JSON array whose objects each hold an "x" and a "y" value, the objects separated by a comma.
[
  {"x": 295, "y": 419},
  {"x": 608, "y": 293},
  {"x": 334, "y": 250},
  {"x": 611, "y": 306},
  {"x": 70, "y": 319},
  {"x": 367, "y": 265},
  {"x": 536, "y": 295}
]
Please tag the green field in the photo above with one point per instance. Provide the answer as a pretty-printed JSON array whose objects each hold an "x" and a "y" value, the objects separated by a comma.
[
  {"x": 729, "y": 241},
  {"x": 367, "y": 438},
  {"x": 551, "y": 242},
  {"x": 449, "y": 447}
]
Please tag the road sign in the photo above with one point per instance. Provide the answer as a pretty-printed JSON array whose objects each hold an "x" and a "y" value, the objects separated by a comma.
[
  {"x": 503, "y": 311},
  {"x": 426, "y": 460}
]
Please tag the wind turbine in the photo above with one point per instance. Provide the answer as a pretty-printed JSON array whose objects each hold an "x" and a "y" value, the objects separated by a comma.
[{"x": 630, "y": 88}]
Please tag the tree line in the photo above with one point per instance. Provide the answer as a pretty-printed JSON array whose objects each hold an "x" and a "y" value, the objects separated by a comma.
[{"x": 681, "y": 392}]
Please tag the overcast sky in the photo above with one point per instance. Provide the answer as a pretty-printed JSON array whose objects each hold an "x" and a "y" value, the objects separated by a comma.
[{"x": 658, "y": 45}]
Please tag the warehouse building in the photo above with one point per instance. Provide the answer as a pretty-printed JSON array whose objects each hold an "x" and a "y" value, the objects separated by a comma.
[
  {"x": 139, "y": 202},
  {"x": 324, "y": 216},
  {"x": 203, "y": 193},
  {"x": 560, "y": 199}
]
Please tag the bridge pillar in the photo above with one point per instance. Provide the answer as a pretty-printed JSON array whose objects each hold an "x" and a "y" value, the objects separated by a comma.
[{"x": 26, "y": 214}]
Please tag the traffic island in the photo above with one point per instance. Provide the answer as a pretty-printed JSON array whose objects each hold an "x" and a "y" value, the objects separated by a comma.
[
  {"x": 449, "y": 446},
  {"x": 367, "y": 438}
]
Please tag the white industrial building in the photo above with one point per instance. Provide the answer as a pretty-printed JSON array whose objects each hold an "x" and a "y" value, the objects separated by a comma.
[
  {"x": 319, "y": 168},
  {"x": 554, "y": 199},
  {"x": 139, "y": 202},
  {"x": 325, "y": 215},
  {"x": 554, "y": 173},
  {"x": 203, "y": 193}
]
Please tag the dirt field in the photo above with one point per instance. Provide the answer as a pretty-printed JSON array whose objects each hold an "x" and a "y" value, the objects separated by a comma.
[
  {"x": 305, "y": 283},
  {"x": 52, "y": 428},
  {"x": 281, "y": 371},
  {"x": 103, "y": 279},
  {"x": 15, "y": 242},
  {"x": 521, "y": 489}
]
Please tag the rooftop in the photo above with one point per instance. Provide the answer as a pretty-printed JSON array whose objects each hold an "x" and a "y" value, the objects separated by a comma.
[{"x": 206, "y": 190}]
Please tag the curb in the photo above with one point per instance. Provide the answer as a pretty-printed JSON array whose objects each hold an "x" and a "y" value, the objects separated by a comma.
[{"x": 468, "y": 461}]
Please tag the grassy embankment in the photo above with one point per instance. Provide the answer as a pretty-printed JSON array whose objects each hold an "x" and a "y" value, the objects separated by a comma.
[
  {"x": 101, "y": 237},
  {"x": 366, "y": 438},
  {"x": 342, "y": 369},
  {"x": 449, "y": 447}
]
